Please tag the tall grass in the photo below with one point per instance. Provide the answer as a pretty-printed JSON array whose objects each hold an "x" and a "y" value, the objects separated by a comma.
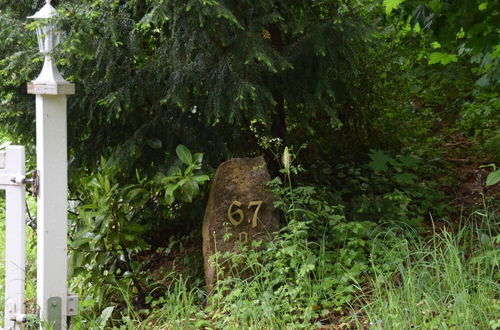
[
  {"x": 450, "y": 280},
  {"x": 444, "y": 281},
  {"x": 178, "y": 308}
]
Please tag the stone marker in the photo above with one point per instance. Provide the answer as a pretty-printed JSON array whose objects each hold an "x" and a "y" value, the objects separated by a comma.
[{"x": 239, "y": 204}]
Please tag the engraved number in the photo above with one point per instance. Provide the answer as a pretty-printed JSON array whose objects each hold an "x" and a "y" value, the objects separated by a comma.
[
  {"x": 230, "y": 213},
  {"x": 254, "y": 219},
  {"x": 239, "y": 212}
]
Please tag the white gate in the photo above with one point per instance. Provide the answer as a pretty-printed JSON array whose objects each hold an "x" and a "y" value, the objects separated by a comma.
[{"x": 12, "y": 178}]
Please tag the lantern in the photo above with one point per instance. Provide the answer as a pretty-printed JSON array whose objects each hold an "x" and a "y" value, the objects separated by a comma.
[
  {"x": 49, "y": 36},
  {"x": 47, "y": 33}
]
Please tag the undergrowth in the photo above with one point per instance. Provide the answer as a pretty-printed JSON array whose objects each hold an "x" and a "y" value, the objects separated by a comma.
[
  {"x": 448, "y": 280},
  {"x": 321, "y": 270}
]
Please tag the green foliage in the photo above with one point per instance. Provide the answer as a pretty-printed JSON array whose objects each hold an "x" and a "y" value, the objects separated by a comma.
[
  {"x": 434, "y": 283},
  {"x": 390, "y": 190},
  {"x": 493, "y": 178},
  {"x": 112, "y": 221},
  {"x": 184, "y": 185},
  {"x": 160, "y": 72},
  {"x": 480, "y": 118},
  {"x": 173, "y": 308},
  {"x": 309, "y": 270},
  {"x": 467, "y": 29},
  {"x": 228, "y": 78},
  {"x": 105, "y": 315},
  {"x": 442, "y": 58},
  {"x": 390, "y": 5}
]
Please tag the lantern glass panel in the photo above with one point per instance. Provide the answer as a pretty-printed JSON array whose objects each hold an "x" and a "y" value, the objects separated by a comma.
[{"x": 48, "y": 37}]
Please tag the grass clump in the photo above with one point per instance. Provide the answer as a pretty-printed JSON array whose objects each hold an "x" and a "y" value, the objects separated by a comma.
[{"x": 449, "y": 280}]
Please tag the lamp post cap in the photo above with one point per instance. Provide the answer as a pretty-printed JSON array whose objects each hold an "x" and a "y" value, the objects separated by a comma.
[
  {"x": 51, "y": 88},
  {"x": 47, "y": 11},
  {"x": 50, "y": 81}
]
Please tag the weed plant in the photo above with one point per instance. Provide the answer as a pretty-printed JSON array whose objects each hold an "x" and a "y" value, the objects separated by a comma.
[
  {"x": 299, "y": 278},
  {"x": 179, "y": 307},
  {"x": 450, "y": 280}
]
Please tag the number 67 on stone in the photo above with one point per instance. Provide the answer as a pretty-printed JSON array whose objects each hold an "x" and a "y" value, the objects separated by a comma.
[{"x": 239, "y": 212}]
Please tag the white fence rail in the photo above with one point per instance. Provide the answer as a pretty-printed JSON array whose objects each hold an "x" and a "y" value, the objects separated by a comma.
[{"x": 12, "y": 178}]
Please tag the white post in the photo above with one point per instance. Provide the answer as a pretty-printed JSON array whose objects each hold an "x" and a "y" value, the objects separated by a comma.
[
  {"x": 51, "y": 143},
  {"x": 51, "y": 90},
  {"x": 12, "y": 180}
]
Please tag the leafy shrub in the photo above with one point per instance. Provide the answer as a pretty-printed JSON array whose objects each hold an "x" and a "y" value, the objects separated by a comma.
[
  {"x": 480, "y": 118},
  {"x": 390, "y": 189},
  {"x": 308, "y": 271},
  {"x": 112, "y": 221}
]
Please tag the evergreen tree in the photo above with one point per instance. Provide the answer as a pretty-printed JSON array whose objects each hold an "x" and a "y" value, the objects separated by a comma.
[{"x": 152, "y": 74}]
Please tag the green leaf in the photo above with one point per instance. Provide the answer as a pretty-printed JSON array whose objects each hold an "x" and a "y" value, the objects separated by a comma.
[
  {"x": 442, "y": 58},
  {"x": 184, "y": 154},
  {"x": 134, "y": 228},
  {"x": 174, "y": 170},
  {"x": 105, "y": 315},
  {"x": 132, "y": 194},
  {"x": 171, "y": 188},
  {"x": 201, "y": 178},
  {"x": 170, "y": 179},
  {"x": 191, "y": 187},
  {"x": 222, "y": 11},
  {"x": 493, "y": 178},
  {"x": 198, "y": 157},
  {"x": 483, "y": 81},
  {"x": 183, "y": 196},
  {"x": 405, "y": 178},
  {"x": 409, "y": 161},
  {"x": 129, "y": 237},
  {"x": 169, "y": 199},
  {"x": 155, "y": 144},
  {"x": 390, "y": 5},
  {"x": 379, "y": 161},
  {"x": 189, "y": 170}
]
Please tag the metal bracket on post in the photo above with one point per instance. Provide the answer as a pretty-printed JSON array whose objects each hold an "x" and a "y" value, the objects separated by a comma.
[
  {"x": 72, "y": 305},
  {"x": 54, "y": 312},
  {"x": 34, "y": 182}
]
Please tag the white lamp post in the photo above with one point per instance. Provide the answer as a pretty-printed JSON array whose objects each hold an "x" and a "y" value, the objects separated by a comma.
[{"x": 51, "y": 89}]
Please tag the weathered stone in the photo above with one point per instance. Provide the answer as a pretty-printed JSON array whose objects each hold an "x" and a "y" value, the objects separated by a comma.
[{"x": 238, "y": 188}]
